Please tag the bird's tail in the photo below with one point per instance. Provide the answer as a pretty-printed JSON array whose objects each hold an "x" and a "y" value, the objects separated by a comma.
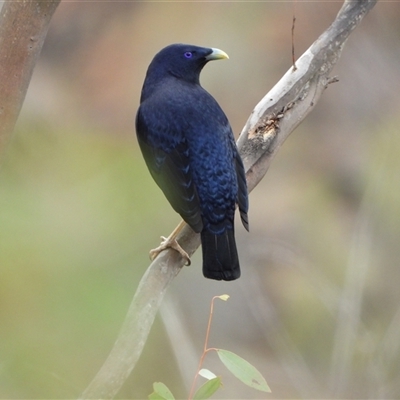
[{"x": 220, "y": 256}]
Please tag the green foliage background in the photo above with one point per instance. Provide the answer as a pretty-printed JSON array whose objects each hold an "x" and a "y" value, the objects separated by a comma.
[
  {"x": 69, "y": 212},
  {"x": 79, "y": 211}
]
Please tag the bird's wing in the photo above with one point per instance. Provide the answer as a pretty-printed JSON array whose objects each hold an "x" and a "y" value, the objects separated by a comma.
[
  {"x": 172, "y": 174},
  {"x": 242, "y": 197}
]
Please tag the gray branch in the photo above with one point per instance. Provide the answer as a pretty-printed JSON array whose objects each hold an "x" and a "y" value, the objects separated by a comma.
[
  {"x": 270, "y": 123},
  {"x": 23, "y": 29}
]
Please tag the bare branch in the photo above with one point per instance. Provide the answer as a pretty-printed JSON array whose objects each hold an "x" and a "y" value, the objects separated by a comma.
[
  {"x": 270, "y": 123},
  {"x": 295, "y": 95},
  {"x": 23, "y": 28}
]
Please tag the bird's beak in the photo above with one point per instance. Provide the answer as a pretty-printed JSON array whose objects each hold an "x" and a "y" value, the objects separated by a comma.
[{"x": 217, "y": 54}]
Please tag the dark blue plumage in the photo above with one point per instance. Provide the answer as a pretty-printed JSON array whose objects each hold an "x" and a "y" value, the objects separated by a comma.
[{"x": 189, "y": 148}]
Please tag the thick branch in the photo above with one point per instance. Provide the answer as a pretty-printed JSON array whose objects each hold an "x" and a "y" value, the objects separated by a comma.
[
  {"x": 23, "y": 28},
  {"x": 271, "y": 122},
  {"x": 295, "y": 95}
]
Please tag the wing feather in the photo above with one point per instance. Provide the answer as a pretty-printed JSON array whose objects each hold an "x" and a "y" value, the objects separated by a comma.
[
  {"x": 172, "y": 173},
  {"x": 242, "y": 197}
]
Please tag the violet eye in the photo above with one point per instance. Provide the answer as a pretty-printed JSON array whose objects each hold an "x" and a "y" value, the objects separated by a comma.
[{"x": 188, "y": 54}]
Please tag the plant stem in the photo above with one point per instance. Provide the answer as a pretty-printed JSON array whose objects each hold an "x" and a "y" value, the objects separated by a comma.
[{"x": 205, "y": 349}]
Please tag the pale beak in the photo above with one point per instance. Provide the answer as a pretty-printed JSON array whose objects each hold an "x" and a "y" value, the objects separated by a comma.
[{"x": 217, "y": 54}]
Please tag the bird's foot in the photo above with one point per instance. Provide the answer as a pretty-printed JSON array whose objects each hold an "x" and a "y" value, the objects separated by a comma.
[{"x": 170, "y": 243}]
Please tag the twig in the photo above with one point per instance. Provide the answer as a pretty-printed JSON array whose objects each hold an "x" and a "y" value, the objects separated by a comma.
[
  {"x": 270, "y": 123},
  {"x": 293, "y": 25},
  {"x": 205, "y": 349}
]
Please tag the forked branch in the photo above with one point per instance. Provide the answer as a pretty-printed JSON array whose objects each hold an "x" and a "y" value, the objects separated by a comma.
[{"x": 270, "y": 123}]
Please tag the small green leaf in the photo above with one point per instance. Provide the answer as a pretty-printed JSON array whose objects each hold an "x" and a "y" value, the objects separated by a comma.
[
  {"x": 243, "y": 370},
  {"x": 155, "y": 396},
  {"x": 206, "y": 373},
  {"x": 161, "y": 392},
  {"x": 208, "y": 389},
  {"x": 224, "y": 297}
]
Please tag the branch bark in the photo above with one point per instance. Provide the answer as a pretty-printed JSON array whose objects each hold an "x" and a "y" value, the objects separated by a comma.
[
  {"x": 270, "y": 123},
  {"x": 23, "y": 28}
]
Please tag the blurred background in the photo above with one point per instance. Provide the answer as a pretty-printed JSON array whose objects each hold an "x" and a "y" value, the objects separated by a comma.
[{"x": 317, "y": 309}]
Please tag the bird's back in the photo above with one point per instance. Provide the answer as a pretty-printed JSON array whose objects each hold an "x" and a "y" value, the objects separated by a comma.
[{"x": 189, "y": 147}]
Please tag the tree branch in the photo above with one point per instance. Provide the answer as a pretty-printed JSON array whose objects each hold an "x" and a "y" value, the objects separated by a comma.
[
  {"x": 23, "y": 28},
  {"x": 268, "y": 126}
]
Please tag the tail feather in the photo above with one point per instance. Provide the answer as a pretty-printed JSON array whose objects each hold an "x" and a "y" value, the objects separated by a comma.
[{"x": 220, "y": 256}]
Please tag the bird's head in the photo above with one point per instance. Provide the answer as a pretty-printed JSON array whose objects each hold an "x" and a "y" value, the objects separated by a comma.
[{"x": 183, "y": 61}]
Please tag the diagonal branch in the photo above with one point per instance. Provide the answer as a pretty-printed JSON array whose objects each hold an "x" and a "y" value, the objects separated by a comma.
[
  {"x": 268, "y": 126},
  {"x": 23, "y": 29}
]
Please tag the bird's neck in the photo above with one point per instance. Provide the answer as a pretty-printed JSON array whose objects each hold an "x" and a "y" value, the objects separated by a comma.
[{"x": 154, "y": 83}]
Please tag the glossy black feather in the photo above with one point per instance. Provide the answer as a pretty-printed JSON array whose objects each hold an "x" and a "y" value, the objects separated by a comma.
[
  {"x": 172, "y": 174},
  {"x": 189, "y": 148},
  {"x": 219, "y": 251}
]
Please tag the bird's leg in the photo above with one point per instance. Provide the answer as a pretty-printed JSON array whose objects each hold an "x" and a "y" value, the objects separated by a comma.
[{"x": 171, "y": 242}]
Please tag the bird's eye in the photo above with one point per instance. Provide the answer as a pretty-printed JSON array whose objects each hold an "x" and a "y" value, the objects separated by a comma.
[{"x": 188, "y": 54}]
